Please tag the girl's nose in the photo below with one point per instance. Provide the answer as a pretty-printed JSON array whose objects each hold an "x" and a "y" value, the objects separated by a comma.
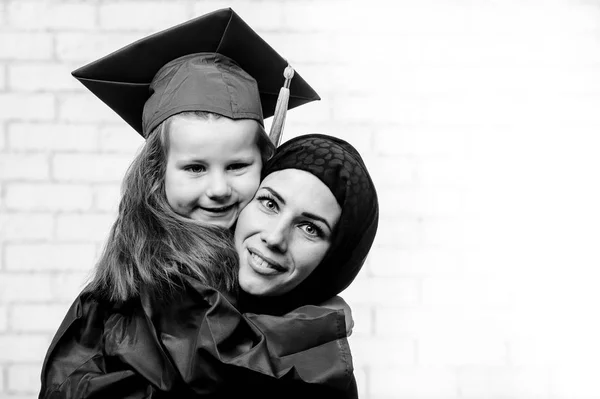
[{"x": 218, "y": 187}]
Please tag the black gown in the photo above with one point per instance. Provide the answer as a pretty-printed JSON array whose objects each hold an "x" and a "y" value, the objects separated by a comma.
[{"x": 196, "y": 345}]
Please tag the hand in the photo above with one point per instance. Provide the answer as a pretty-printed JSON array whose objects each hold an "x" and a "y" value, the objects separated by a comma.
[{"x": 337, "y": 302}]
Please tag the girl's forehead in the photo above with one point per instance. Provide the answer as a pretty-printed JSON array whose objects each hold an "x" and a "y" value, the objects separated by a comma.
[{"x": 216, "y": 135}]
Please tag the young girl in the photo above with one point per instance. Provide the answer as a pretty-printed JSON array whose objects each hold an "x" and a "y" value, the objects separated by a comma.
[{"x": 157, "y": 318}]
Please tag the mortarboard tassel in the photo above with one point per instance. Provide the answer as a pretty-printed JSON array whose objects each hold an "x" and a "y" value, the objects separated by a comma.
[{"x": 281, "y": 107}]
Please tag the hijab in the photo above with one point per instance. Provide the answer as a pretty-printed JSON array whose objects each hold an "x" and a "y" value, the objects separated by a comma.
[{"x": 340, "y": 167}]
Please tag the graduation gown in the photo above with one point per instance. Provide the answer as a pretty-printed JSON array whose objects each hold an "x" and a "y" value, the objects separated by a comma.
[{"x": 194, "y": 345}]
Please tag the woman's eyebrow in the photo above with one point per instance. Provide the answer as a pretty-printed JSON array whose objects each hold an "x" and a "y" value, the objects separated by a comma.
[
  {"x": 316, "y": 217},
  {"x": 275, "y": 194}
]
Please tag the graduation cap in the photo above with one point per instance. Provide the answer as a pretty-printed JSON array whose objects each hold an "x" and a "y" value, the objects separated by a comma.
[{"x": 214, "y": 63}]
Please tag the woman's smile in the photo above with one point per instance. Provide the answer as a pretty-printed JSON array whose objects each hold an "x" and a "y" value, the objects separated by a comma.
[{"x": 263, "y": 264}]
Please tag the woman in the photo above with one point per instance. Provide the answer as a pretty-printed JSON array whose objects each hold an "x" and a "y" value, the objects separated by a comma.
[{"x": 303, "y": 238}]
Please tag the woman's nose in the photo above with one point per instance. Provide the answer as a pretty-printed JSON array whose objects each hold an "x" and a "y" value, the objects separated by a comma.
[
  {"x": 275, "y": 237},
  {"x": 218, "y": 187}
]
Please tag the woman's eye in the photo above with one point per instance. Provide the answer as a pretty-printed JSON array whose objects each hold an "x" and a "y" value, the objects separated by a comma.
[
  {"x": 269, "y": 204},
  {"x": 312, "y": 230}
]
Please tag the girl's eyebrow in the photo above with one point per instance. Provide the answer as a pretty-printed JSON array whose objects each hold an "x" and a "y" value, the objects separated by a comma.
[{"x": 306, "y": 214}]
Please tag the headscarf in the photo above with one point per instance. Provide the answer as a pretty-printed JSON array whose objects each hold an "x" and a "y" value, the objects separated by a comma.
[{"x": 340, "y": 167}]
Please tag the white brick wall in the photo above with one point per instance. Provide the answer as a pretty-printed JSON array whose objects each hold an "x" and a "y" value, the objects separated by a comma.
[
  {"x": 478, "y": 120},
  {"x": 52, "y": 137}
]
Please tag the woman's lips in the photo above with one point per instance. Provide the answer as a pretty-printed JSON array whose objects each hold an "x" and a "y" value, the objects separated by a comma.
[{"x": 262, "y": 264}]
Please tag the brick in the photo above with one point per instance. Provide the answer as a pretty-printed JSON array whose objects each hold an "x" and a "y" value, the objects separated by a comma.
[
  {"x": 29, "y": 107},
  {"x": 420, "y": 382},
  {"x": 90, "y": 168},
  {"x": 301, "y": 47},
  {"x": 46, "y": 257},
  {"x": 25, "y": 46},
  {"x": 396, "y": 262},
  {"x": 468, "y": 291},
  {"x": 85, "y": 108},
  {"x": 575, "y": 380},
  {"x": 48, "y": 196},
  {"x": 367, "y": 352},
  {"x": 107, "y": 197},
  {"x": 270, "y": 16},
  {"x": 2, "y": 133},
  {"x": 360, "y": 137},
  {"x": 45, "y": 76},
  {"x": 24, "y": 166},
  {"x": 464, "y": 349},
  {"x": 24, "y": 378},
  {"x": 401, "y": 233},
  {"x": 27, "y": 318},
  {"x": 322, "y": 77},
  {"x": 362, "y": 381},
  {"x": 447, "y": 172},
  {"x": 120, "y": 138},
  {"x": 41, "y": 286},
  {"x": 421, "y": 140},
  {"x": 41, "y": 15},
  {"x": 26, "y": 226},
  {"x": 540, "y": 343},
  {"x": 446, "y": 233},
  {"x": 88, "y": 227},
  {"x": 86, "y": 47},
  {"x": 301, "y": 16},
  {"x": 363, "y": 320},
  {"x": 3, "y": 325},
  {"x": 393, "y": 172},
  {"x": 392, "y": 291},
  {"x": 20, "y": 395},
  {"x": 150, "y": 15},
  {"x": 429, "y": 322},
  {"x": 504, "y": 382},
  {"x": 2, "y": 79},
  {"x": 53, "y": 136},
  {"x": 2, "y": 196},
  {"x": 21, "y": 348},
  {"x": 422, "y": 201}
]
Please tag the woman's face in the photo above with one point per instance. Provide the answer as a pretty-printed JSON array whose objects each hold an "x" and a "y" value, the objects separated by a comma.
[{"x": 284, "y": 232}]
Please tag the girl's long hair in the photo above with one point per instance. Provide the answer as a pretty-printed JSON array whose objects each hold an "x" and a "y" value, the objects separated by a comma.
[{"x": 150, "y": 247}]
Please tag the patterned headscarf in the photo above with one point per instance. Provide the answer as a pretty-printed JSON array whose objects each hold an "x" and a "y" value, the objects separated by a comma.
[{"x": 339, "y": 166}]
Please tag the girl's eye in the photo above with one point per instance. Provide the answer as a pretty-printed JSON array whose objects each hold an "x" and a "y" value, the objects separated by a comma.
[
  {"x": 195, "y": 168},
  {"x": 237, "y": 166}
]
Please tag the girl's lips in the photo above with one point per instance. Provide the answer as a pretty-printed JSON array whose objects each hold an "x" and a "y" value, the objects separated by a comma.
[
  {"x": 263, "y": 264},
  {"x": 222, "y": 209}
]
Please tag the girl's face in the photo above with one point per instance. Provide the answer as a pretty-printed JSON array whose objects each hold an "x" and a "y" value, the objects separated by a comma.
[
  {"x": 213, "y": 168},
  {"x": 284, "y": 232}
]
